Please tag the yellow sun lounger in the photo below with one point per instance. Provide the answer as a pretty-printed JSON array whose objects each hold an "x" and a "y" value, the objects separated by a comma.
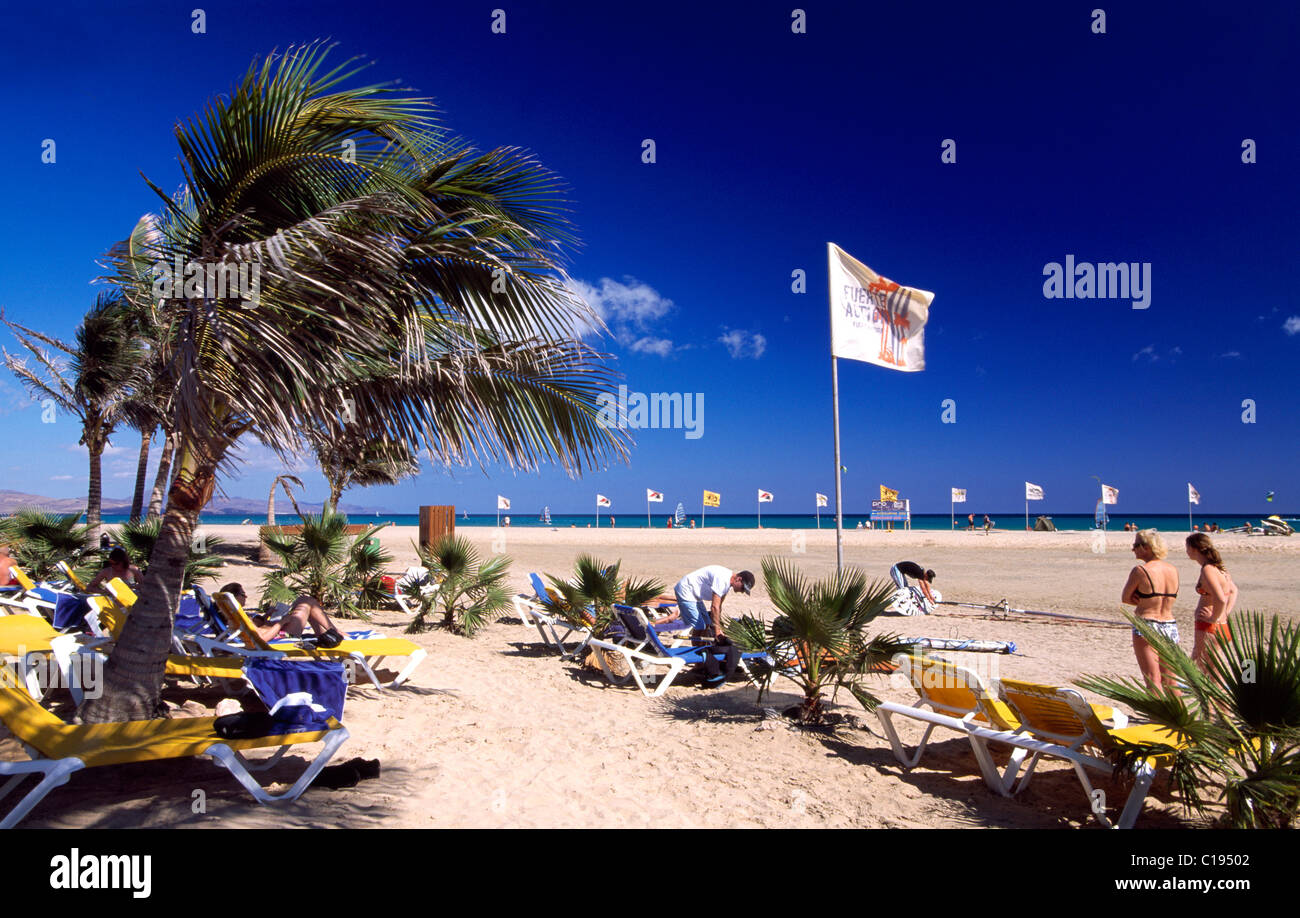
[
  {"x": 954, "y": 697},
  {"x": 367, "y": 653},
  {"x": 1059, "y": 722},
  {"x": 58, "y": 749}
]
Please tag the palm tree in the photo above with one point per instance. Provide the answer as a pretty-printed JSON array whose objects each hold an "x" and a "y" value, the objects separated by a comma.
[
  {"x": 92, "y": 379},
  {"x": 321, "y": 561},
  {"x": 355, "y": 460},
  {"x": 388, "y": 268},
  {"x": 138, "y": 538},
  {"x": 469, "y": 592},
  {"x": 587, "y": 598},
  {"x": 264, "y": 552},
  {"x": 819, "y": 639},
  {"x": 40, "y": 540},
  {"x": 1239, "y": 718}
]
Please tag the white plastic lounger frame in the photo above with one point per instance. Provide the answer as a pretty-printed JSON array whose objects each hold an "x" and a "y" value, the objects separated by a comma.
[{"x": 533, "y": 615}]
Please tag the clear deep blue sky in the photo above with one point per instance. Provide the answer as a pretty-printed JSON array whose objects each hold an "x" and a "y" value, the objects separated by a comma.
[{"x": 1125, "y": 146}]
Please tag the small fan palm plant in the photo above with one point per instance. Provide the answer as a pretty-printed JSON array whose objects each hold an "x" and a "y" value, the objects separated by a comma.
[
  {"x": 139, "y": 539},
  {"x": 40, "y": 540},
  {"x": 344, "y": 573},
  {"x": 1239, "y": 718},
  {"x": 468, "y": 592},
  {"x": 588, "y": 597},
  {"x": 819, "y": 639}
]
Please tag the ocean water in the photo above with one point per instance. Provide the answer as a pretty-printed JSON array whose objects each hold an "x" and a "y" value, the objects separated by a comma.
[{"x": 1168, "y": 522}]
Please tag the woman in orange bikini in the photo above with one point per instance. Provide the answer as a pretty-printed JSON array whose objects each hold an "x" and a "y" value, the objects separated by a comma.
[
  {"x": 1218, "y": 594},
  {"x": 1151, "y": 588}
]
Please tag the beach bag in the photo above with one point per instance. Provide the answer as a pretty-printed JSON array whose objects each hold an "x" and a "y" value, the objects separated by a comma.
[{"x": 720, "y": 662}]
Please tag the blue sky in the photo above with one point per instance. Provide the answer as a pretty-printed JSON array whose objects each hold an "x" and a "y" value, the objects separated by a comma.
[{"x": 1123, "y": 146}]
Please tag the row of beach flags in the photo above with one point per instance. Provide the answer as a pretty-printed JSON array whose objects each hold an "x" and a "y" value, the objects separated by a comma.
[{"x": 1109, "y": 495}]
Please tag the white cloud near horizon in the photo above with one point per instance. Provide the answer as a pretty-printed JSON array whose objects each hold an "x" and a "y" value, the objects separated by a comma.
[{"x": 1292, "y": 325}]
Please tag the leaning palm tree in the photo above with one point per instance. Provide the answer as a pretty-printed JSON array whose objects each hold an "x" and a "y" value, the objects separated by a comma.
[
  {"x": 354, "y": 460},
  {"x": 392, "y": 279},
  {"x": 819, "y": 640},
  {"x": 90, "y": 379},
  {"x": 1239, "y": 719}
]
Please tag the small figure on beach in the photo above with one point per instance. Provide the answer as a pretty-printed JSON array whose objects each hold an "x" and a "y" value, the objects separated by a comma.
[
  {"x": 692, "y": 522},
  {"x": 7, "y": 577},
  {"x": 1218, "y": 594},
  {"x": 859, "y": 524},
  {"x": 970, "y": 522},
  {"x": 120, "y": 566},
  {"x": 505, "y": 521},
  {"x": 611, "y": 522},
  {"x": 924, "y": 595},
  {"x": 988, "y": 524},
  {"x": 670, "y": 522},
  {"x": 1151, "y": 589},
  {"x": 304, "y": 610},
  {"x": 699, "y": 598}
]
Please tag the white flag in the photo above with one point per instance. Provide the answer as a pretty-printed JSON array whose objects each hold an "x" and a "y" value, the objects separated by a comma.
[
  {"x": 1109, "y": 495},
  {"x": 959, "y": 495},
  {"x": 822, "y": 500},
  {"x": 503, "y": 503},
  {"x": 1033, "y": 492},
  {"x": 655, "y": 497},
  {"x": 602, "y": 500},
  {"x": 1193, "y": 496},
  {"x": 764, "y": 497},
  {"x": 874, "y": 319}
]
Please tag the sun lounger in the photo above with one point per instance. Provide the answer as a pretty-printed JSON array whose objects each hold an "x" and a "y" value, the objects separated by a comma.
[
  {"x": 644, "y": 651},
  {"x": 1058, "y": 722},
  {"x": 366, "y": 653},
  {"x": 58, "y": 749},
  {"x": 957, "y": 698}
]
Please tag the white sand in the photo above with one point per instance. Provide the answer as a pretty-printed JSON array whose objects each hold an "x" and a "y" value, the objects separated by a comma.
[{"x": 496, "y": 731}]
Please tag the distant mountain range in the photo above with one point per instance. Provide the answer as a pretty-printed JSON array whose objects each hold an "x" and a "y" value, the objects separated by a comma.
[{"x": 16, "y": 500}]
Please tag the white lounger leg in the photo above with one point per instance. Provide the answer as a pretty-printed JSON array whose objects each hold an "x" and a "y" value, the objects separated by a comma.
[
  {"x": 240, "y": 767},
  {"x": 56, "y": 773}
]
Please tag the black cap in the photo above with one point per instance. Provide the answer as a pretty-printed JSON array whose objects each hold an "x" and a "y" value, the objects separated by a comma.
[{"x": 746, "y": 581}]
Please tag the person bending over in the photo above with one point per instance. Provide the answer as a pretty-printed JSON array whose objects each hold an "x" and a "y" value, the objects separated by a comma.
[
  {"x": 904, "y": 569},
  {"x": 699, "y": 598},
  {"x": 303, "y": 611}
]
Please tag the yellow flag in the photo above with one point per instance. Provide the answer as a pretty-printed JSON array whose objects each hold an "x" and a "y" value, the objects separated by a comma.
[
  {"x": 888, "y": 493},
  {"x": 712, "y": 499}
]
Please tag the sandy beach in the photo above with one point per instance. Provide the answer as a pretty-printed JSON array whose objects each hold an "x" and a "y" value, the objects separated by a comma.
[{"x": 496, "y": 731}]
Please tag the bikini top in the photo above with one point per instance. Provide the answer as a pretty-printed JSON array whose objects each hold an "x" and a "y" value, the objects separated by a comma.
[{"x": 1140, "y": 595}]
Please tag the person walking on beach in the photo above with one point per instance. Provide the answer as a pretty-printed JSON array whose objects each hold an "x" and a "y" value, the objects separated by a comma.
[
  {"x": 699, "y": 598},
  {"x": 1217, "y": 591},
  {"x": 1151, "y": 588}
]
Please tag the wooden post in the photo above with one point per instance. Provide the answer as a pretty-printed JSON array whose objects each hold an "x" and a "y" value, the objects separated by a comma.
[{"x": 436, "y": 522}]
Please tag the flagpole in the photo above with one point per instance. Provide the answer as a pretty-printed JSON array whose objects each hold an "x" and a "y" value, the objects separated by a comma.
[
  {"x": 597, "y": 514},
  {"x": 760, "y": 513},
  {"x": 1026, "y": 510},
  {"x": 703, "y": 507},
  {"x": 839, "y": 499},
  {"x": 647, "y": 511}
]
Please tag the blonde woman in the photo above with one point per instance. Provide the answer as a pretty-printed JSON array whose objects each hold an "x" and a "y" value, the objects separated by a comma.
[
  {"x": 1151, "y": 588},
  {"x": 1218, "y": 594}
]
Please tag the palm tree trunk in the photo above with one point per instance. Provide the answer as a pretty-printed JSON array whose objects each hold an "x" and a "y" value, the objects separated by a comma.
[
  {"x": 94, "y": 496},
  {"x": 270, "y": 504},
  {"x": 141, "y": 469},
  {"x": 160, "y": 480},
  {"x": 336, "y": 491},
  {"x": 132, "y": 679}
]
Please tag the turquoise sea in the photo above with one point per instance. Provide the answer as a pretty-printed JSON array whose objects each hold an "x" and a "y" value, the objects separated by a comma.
[{"x": 1169, "y": 522}]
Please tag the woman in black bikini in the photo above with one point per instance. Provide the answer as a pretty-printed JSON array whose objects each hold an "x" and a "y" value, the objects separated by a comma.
[{"x": 1151, "y": 588}]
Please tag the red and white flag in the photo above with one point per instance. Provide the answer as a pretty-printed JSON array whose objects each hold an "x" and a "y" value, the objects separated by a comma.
[
  {"x": 1193, "y": 495},
  {"x": 764, "y": 497},
  {"x": 503, "y": 503},
  {"x": 602, "y": 500},
  {"x": 874, "y": 319},
  {"x": 1109, "y": 495},
  {"x": 654, "y": 497},
  {"x": 823, "y": 500}
]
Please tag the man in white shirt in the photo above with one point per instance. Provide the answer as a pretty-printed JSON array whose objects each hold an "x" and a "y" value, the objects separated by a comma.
[{"x": 699, "y": 598}]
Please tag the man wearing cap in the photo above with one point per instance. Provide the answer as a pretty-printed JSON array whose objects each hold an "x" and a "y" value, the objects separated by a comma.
[{"x": 699, "y": 598}]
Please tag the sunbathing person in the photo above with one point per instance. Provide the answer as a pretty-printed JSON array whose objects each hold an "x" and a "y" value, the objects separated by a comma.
[
  {"x": 303, "y": 611},
  {"x": 120, "y": 566},
  {"x": 7, "y": 577}
]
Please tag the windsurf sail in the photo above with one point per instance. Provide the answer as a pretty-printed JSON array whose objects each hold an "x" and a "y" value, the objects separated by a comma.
[
  {"x": 1099, "y": 515},
  {"x": 680, "y": 516},
  {"x": 545, "y": 518}
]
